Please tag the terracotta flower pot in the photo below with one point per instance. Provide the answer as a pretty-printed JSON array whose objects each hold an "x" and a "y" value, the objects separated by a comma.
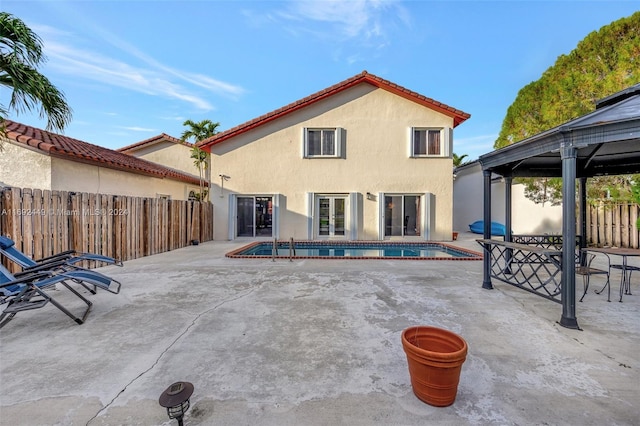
[{"x": 435, "y": 357}]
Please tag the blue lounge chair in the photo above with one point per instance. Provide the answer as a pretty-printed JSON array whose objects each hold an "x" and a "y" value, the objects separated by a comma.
[
  {"x": 71, "y": 256},
  {"x": 27, "y": 292},
  {"x": 66, "y": 261}
]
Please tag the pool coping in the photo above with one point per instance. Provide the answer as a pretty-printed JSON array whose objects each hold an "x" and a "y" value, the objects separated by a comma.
[{"x": 474, "y": 255}]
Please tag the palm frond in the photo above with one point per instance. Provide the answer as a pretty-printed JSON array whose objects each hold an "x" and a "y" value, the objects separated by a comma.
[
  {"x": 20, "y": 54},
  {"x": 17, "y": 39},
  {"x": 32, "y": 90}
]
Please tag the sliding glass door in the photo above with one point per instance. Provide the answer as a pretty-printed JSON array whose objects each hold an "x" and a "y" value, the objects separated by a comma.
[
  {"x": 402, "y": 215},
  {"x": 254, "y": 216}
]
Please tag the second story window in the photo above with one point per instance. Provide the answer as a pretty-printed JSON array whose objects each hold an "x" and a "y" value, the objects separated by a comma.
[
  {"x": 322, "y": 142},
  {"x": 427, "y": 142}
]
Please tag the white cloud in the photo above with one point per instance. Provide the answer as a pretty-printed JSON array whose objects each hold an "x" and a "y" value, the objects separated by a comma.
[
  {"x": 352, "y": 18},
  {"x": 365, "y": 26},
  {"x": 138, "y": 129},
  {"x": 174, "y": 118},
  {"x": 153, "y": 78}
]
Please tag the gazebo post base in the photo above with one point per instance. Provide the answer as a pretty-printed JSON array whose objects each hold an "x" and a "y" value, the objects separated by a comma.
[
  {"x": 571, "y": 323},
  {"x": 487, "y": 285}
]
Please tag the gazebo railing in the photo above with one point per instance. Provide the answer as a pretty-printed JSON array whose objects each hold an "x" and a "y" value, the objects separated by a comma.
[
  {"x": 526, "y": 266},
  {"x": 553, "y": 242}
]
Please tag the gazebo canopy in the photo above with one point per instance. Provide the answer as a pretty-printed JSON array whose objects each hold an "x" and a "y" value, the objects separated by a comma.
[
  {"x": 604, "y": 142},
  {"x": 607, "y": 142}
]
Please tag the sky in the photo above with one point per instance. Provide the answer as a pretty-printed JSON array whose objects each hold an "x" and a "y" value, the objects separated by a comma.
[{"x": 131, "y": 70}]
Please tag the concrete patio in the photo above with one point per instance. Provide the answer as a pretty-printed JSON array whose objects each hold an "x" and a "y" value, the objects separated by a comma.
[{"x": 316, "y": 342}]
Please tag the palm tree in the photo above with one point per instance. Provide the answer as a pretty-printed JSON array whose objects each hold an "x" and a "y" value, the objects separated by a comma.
[
  {"x": 20, "y": 55},
  {"x": 198, "y": 132},
  {"x": 457, "y": 160}
]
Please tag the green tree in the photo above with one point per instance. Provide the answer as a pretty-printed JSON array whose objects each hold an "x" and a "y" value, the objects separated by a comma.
[
  {"x": 199, "y": 131},
  {"x": 604, "y": 62},
  {"x": 458, "y": 160},
  {"x": 20, "y": 55}
]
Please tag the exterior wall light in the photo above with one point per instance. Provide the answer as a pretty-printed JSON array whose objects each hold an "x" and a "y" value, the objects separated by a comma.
[
  {"x": 176, "y": 400},
  {"x": 223, "y": 179}
]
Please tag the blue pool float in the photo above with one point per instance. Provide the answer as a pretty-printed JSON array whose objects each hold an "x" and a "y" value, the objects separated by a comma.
[{"x": 477, "y": 227}]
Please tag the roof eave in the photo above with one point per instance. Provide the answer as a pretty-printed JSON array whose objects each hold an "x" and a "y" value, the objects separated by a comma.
[
  {"x": 64, "y": 155},
  {"x": 458, "y": 116}
]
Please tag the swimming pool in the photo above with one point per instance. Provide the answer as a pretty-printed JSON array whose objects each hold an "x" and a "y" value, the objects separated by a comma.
[{"x": 355, "y": 250}]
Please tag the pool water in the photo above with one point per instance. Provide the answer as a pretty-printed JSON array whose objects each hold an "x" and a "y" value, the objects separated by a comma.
[{"x": 355, "y": 250}]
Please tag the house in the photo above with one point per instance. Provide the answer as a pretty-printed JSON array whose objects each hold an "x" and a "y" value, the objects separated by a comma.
[
  {"x": 35, "y": 158},
  {"x": 364, "y": 159},
  {"x": 527, "y": 216},
  {"x": 166, "y": 150}
]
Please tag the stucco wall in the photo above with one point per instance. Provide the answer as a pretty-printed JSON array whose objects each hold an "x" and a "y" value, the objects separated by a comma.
[
  {"x": 269, "y": 160},
  {"x": 527, "y": 217},
  {"x": 73, "y": 176},
  {"x": 23, "y": 168},
  {"x": 168, "y": 154}
]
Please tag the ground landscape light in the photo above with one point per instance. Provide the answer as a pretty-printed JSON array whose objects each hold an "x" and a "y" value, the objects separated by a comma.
[{"x": 175, "y": 399}]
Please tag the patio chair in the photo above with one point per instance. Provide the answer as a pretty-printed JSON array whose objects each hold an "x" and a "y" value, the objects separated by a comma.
[
  {"x": 27, "y": 292},
  {"x": 71, "y": 256},
  {"x": 625, "y": 277},
  {"x": 65, "y": 261},
  {"x": 587, "y": 270}
]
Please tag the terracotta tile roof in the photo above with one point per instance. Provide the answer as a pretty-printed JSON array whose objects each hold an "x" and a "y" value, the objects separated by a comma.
[
  {"x": 156, "y": 139},
  {"x": 76, "y": 150},
  {"x": 364, "y": 77}
]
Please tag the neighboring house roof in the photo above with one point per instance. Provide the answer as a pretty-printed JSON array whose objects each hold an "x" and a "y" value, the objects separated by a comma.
[
  {"x": 467, "y": 165},
  {"x": 72, "y": 149},
  {"x": 163, "y": 137},
  {"x": 364, "y": 77}
]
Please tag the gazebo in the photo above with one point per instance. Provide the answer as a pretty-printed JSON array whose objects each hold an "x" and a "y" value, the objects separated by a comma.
[{"x": 603, "y": 142}]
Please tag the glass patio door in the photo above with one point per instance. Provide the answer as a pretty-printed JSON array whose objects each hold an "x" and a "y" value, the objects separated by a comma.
[
  {"x": 402, "y": 215},
  {"x": 254, "y": 216},
  {"x": 331, "y": 216}
]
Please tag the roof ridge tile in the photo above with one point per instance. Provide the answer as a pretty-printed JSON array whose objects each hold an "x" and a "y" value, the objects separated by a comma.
[{"x": 152, "y": 140}]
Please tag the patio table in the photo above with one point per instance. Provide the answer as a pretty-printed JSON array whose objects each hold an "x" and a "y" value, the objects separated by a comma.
[{"x": 625, "y": 279}]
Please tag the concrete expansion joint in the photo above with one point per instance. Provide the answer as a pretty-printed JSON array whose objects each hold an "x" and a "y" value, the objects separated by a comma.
[
  {"x": 511, "y": 296},
  {"x": 610, "y": 357},
  {"x": 172, "y": 344}
]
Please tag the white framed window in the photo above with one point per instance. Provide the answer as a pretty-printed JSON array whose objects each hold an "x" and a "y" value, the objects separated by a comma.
[
  {"x": 322, "y": 142},
  {"x": 430, "y": 142}
]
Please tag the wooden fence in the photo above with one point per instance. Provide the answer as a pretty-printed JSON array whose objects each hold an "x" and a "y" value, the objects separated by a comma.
[
  {"x": 43, "y": 223},
  {"x": 612, "y": 225}
]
